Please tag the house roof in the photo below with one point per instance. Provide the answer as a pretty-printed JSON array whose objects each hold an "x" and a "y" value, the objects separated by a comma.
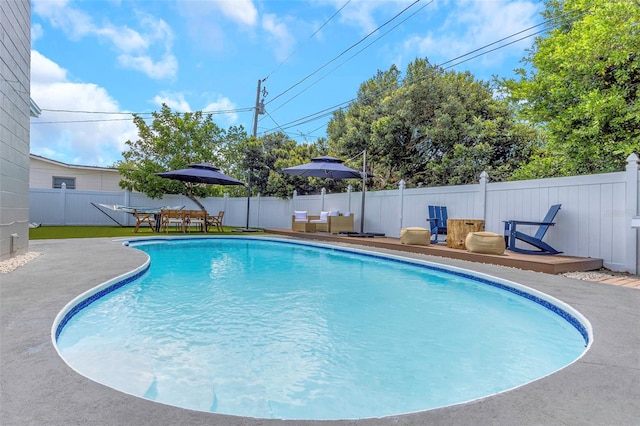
[
  {"x": 73, "y": 166},
  {"x": 34, "y": 109}
]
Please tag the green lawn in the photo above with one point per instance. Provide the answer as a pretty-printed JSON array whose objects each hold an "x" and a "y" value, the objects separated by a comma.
[{"x": 58, "y": 232}]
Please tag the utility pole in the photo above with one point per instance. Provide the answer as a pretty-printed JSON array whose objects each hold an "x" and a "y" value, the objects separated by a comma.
[{"x": 259, "y": 109}]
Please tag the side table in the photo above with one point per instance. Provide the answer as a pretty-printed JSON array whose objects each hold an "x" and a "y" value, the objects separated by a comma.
[{"x": 457, "y": 230}]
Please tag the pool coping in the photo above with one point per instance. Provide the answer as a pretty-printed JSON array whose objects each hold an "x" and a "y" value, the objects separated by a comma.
[{"x": 602, "y": 387}]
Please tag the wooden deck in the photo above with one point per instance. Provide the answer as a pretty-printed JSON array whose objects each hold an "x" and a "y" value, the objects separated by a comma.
[{"x": 553, "y": 264}]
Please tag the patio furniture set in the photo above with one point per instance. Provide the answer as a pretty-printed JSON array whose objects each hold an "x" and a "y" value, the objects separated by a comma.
[
  {"x": 181, "y": 220},
  {"x": 469, "y": 234},
  {"x": 333, "y": 222}
]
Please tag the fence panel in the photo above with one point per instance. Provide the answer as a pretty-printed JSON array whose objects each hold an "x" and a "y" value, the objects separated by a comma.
[
  {"x": 586, "y": 225},
  {"x": 594, "y": 220}
]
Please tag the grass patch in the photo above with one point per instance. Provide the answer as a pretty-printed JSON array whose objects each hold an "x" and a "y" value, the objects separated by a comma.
[{"x": 61, "y": 232}]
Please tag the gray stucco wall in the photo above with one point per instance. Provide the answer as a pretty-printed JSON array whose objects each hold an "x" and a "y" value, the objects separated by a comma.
[{"x": 15, "y": 68}]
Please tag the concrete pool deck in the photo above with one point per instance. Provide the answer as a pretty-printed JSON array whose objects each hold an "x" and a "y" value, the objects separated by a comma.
[{"x": 38, "y": 388}]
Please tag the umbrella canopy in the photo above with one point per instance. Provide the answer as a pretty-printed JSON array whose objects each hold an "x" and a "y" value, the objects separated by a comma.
[
  {"x": 324, "y": 167},
  {"x": 201, "y": 173},
  {"x": 330, "y": 167}
]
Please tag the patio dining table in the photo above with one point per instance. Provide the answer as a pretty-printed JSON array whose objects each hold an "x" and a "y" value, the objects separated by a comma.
[{"x": 144, "y": 214}]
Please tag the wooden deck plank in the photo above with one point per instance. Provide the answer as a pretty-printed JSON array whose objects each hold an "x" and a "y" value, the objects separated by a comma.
[{"x": 550, "y": 264}]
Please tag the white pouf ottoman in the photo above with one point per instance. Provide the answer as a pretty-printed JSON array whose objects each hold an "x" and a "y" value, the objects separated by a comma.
[
  {"x": 485, "y": 243},
  {"x": 415, "y": 236}
]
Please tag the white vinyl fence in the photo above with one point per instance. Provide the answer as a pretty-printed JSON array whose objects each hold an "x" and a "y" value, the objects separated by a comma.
[{"x": 595, "y": 219}]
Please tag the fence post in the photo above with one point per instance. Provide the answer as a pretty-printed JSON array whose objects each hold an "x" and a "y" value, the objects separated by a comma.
[
  {"x": 258, "y": 202},
  {"x": 323, "y": 192},
  {"x": 631, "y": 210},
  {"x": 63, "y": 203},
  {"x": 484, "y": 178},
  {"x": 127, "y": 202},
  {"x": 294, "y": 201},
  {"x": 401, "y": 186},
  {"x": 225, "y": 198},
  {"x": 349, "y": 188}
]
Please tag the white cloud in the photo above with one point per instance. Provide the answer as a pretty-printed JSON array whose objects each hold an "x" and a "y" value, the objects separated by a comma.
[
  {"x": 135, "y": 48},
  {"x": 240, "y": 11},
  {"x": 222, "y": 104},
  {"x": 279, "y": 36},
  {"x": 213, "y": 23},
  {"x": 60, "y": 14},
  {"x": 44, "y": 70},
  {"x": 36, "y": 32},
  {"x": 164, "y": 68},
  {"x": 178, "y": 103},
  {"x": 175, "y": 101},
  {"x": 361, "y": 13},
  {"x": 124, "y": 39},
  {"x": 473, "y": 24},
  {"x": 86, "y": 139}
]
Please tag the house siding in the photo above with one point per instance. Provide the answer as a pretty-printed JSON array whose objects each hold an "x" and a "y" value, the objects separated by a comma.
[
  {"x": 15, "y": 68},
  {"x": 87, "y": 178}
]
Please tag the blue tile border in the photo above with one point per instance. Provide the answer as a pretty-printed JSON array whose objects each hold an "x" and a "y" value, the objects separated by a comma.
[
  {"x": 103, "y": 292},
  {"x": 571, "y": 319}
]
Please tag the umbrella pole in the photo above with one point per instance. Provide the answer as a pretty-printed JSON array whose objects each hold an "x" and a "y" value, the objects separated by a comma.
[
  {"x": 246, "y": 228},
  {"x": 364, "y": 189},
  {"x": 248, "y": 195}
]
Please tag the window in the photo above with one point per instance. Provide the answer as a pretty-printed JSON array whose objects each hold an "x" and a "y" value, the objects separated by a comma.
[{"x": 69, "y": 181}]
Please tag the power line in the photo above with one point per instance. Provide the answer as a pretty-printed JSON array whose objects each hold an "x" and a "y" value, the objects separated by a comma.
[
  {"x": 354, "y": 55},
  {"x": 344, "y": 52},
  {"x": 323, "y": 113},
  {"x": 554, "y": 21},
  {"x": 309, "y": 38},
  {"x": 243, "y": 109},
  {"x": 223, "y": 111},
  {"x": 147, "y": 115},
  {"x": 83, "y": 121}
]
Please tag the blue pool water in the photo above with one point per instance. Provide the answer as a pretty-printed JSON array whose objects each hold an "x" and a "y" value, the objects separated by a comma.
[{"x": 284, "y": 330}]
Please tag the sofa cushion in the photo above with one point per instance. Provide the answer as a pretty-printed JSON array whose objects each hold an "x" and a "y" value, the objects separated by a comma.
[{"x": 300, "y": 216}]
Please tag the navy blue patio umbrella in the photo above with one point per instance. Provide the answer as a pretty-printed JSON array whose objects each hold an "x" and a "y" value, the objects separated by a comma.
[
  {"x": 332, "y": 168},
  {"x": 201, "y": 173}
]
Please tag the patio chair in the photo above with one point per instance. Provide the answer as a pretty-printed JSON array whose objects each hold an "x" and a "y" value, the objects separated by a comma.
[
  {"x": 142, "y": 218},
  {"x": 512, "y": 234},
  {"x": 437, "y": 222},
  {"x": 300, "y": 222},
  {"x": 322, "y": 221},
  {"x": 216, "y": 221},
  {"x": 342, "y": 222},
  {"x": 172, "y": 218},
  {"x": 197, "y": 218}
]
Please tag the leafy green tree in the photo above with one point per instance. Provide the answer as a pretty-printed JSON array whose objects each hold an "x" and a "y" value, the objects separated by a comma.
[
  {"x": 582, "y": 88},
  {"x": 431, "y": 128},
  {"x": 172, "y": 141}
]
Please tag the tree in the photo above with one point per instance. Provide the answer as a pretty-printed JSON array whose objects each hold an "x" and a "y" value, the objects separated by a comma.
[
  {"x": 431, "y": 128},
  {"x": 173, "y": 141},
  {"x": 582, "y": 88}
]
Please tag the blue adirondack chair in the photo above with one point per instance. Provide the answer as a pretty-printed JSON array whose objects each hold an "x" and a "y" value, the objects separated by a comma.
[
  {"x": 437, "y": 222},
  {"x": 512, "y": 235}
]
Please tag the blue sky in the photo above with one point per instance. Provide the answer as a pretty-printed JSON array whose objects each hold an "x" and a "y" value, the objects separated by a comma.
[{"x": 95, "y": 62}]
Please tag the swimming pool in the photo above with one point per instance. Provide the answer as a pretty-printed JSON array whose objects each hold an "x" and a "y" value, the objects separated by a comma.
[{"x": 364, "y": 342}]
